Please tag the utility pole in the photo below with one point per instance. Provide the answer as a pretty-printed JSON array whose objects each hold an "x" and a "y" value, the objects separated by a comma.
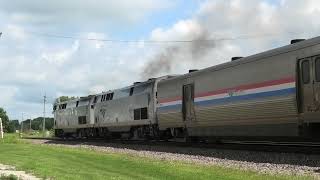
[
  {"x": 1, "y": 128},
  {"x": 21, "y": 127},
  {"x": 30, "y": 124},
  {"x": 44, "y": 114}
]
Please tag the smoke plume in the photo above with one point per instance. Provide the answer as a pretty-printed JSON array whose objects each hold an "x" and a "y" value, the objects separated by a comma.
[{"x": 163, "y": 62}]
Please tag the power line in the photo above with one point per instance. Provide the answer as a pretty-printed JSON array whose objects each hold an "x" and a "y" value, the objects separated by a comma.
[{"x": 254, "y": 36}]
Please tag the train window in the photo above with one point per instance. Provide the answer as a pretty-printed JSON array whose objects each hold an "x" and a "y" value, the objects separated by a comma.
[
  {"x": 306, "y": 72},
  {"x": 136, "y": 114},
  {"x": 109, "y": 96},
  {"x": 317, "y": 66},
  {"x": 82, "y": 120},
  {"x": 54, "y": 107},
  {"x": 63, "y": 106},
  {"x": 95, "y": 99},
  {"x": 144, "y": 113},
  {"x": 77, "y": 104},
  {"x": 131, "y": 91}
]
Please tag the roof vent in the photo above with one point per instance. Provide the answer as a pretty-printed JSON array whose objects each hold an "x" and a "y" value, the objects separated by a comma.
[
  {"x": 136, "y": 83},
  {"x": 150, "y": 79},
  {"x": 193, "y": 70},
  {"x": 235, "y": 58},
  {"x": 296, "y": 41}
]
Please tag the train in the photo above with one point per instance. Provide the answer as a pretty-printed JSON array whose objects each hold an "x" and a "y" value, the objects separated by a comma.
[{"x": 271, "y": 95}]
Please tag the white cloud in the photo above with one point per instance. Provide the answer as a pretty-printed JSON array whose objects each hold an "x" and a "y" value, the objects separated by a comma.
[
  {"x": 80, "y": 11},
  {"x": 16, "y": 32},
  {"x": 182, "y": 30},
  {"x": 32, "y": 65},
  {"x": 59, "y": 57},
  {"x": 8, "y": 93}
]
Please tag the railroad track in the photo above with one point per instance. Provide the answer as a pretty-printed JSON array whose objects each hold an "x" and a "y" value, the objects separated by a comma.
[{"x": 265, "y": 146}]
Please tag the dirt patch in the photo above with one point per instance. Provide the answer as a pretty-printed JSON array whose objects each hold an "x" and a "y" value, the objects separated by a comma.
[{"x": 10, "y": 170}]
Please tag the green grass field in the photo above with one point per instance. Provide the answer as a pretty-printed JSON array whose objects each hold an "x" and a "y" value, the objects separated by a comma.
[{"x": 67, "y": 163}]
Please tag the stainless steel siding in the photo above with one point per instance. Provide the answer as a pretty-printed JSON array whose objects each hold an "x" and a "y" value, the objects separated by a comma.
[{"x": 265, "y": 111}]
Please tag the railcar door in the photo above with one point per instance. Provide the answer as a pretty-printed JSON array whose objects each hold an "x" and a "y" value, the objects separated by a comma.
[
  {"x": 309, "y": 69},
  {"x": 188, "y": 103},
  {"x": 306, "y": 85},
  {"x": 316, "y": 83}
]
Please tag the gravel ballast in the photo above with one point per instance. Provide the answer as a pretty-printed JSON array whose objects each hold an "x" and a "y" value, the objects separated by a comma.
[{"x": 262, "y": 162}]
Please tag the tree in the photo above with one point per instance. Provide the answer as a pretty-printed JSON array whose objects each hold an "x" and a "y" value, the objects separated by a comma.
[
  {"x": 36, "y": 124},
  {"x": 13, "y": 126},
  {"x": 65, "y": 98},
  {"x": 5, "y": 119}
]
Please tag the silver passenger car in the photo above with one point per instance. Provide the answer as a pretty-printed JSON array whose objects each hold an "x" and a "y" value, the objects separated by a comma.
[{"x": 275, "y": 93}]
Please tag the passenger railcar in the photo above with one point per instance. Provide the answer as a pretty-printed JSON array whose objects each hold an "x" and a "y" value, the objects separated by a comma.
[{"x": 271, "y": 94}]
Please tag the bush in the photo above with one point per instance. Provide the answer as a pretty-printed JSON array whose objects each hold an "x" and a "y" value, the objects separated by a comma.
[
  {"x": 11, "y": 138},
  {"x": 10, "y": 177}
]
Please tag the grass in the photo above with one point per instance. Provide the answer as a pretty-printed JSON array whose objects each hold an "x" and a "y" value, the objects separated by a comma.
[
  {"x": 67, "y": 163},
  {"x": 10, "y": 177},
  {"x": 36, "y": 134}
]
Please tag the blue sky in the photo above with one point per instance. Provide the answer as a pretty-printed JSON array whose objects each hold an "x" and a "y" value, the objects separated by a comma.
[{"x": 32, "y": 64}]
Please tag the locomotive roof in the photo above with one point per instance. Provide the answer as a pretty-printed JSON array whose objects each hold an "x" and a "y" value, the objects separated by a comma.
[
  {"x": 85, "y": 98},
  {"x": 255, "y": 57},
  {"x": 139, "y": 84},
  {"x": 75, "y": 100}
]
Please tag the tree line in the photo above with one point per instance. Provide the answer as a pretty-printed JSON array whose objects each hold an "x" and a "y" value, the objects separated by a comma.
[{"x": 13, "y": 125}]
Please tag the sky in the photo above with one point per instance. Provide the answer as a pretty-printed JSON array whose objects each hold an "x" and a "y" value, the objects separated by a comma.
[{"x": 33, "y": 64}]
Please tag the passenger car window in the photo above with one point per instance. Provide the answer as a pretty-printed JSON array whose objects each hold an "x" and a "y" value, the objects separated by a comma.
[
  {"x": 317, "y": 69},
  {"x": 144, "y": 113},
  {"x": 95, "y": 99},
  {"x": 82, "y": 120},
  {"x": 136, "y": 114},
  {"x": 305, "y": 72},
  {"x": 131, "y": 91}
]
